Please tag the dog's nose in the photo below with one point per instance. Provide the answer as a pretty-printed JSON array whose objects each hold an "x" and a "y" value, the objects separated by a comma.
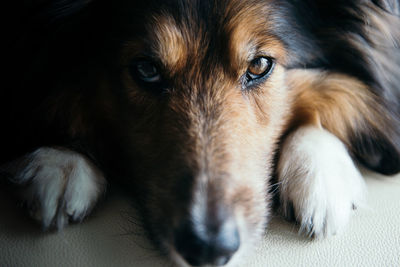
[{"x": 212, "y": 244}]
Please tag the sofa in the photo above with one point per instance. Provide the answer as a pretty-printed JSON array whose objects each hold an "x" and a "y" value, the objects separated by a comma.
[{"x": 112, "y": 236}]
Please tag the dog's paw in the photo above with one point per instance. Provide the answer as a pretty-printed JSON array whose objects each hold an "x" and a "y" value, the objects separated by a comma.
[
  {"x": 58, "y": 185},
  {"x": 319, "y": 183}
]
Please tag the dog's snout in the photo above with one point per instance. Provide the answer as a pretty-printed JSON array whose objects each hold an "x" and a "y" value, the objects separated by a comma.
[{"x": 210, "y": 243}]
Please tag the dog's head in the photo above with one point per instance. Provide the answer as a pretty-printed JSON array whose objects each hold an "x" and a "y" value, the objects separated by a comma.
[
  {"x": 196, "y": 91},
  {"x": 204, "y": 100}
]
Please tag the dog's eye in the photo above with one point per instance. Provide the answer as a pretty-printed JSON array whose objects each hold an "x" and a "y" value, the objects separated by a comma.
[
  {"x": 258, "y": 71},
  {"x": 259, "y": 68},
  {"x": 146, "y": 71}
]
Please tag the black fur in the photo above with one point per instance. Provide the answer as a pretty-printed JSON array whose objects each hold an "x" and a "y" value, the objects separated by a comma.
[
  {"x": 50, "y": 39},
  {"x": 59, "y": 50},
  {"x": 344, "y": 41}
]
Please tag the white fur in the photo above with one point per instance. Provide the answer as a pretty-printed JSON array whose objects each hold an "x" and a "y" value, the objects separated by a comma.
[
  {"x": 319, "y": 179},
  {"x": 59, "y": 185},
  {"x": 198, "y": 212}
]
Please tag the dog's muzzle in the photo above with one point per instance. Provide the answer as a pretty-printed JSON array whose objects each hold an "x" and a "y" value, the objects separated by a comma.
[{"x": 211, "y": 242}]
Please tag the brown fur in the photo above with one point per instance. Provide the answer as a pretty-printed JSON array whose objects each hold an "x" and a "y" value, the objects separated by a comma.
[
  {"x": 203, "y": 139},
  {"x": 339, "y": 103}
]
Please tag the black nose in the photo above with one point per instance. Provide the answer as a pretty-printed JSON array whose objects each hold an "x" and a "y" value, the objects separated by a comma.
[{"x": 201, "y": 244}]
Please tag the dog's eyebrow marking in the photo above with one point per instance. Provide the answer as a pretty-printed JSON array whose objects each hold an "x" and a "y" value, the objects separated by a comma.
[
  {"x": 249, "y": 34},
  {"x": 166, "y": 41},
  {"x": 169, "y": 41}
]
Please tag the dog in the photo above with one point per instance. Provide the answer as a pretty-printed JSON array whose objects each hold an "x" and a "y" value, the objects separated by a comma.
[{"x": 205, "y": 110}]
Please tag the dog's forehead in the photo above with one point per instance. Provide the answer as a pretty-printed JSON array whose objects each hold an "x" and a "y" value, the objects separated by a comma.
[{"x": 232, "y": 32}]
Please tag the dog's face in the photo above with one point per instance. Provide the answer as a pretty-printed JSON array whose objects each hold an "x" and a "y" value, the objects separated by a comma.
[{"x": 203, "y": 101}]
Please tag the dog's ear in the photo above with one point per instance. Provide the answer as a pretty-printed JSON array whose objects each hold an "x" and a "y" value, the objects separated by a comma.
[
  {"x": 42, "y": 35},
  {"x": 64, "y": 8},
  {"x": 39, "y": 16},
  {"x": 48, "y": 8}
]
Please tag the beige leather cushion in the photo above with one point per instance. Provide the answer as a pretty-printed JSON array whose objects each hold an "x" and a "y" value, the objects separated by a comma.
[{"x": 110, "y": 237}]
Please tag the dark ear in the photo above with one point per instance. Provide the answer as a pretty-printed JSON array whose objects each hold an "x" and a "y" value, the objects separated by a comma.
[
  {"x": 41, "y": 15},
  {"x": 65, "y": 8},
  {"x": 44, "y": 35},
  {"x": 47, "y": 8}
]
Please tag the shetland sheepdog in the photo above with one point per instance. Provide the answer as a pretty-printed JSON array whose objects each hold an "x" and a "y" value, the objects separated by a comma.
[{"x": 200, "y": 108}]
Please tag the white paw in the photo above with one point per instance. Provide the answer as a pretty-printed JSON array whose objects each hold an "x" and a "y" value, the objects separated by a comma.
[
  {"x": 58, "y": 185},
  {"x": 318, "y": 182}
]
